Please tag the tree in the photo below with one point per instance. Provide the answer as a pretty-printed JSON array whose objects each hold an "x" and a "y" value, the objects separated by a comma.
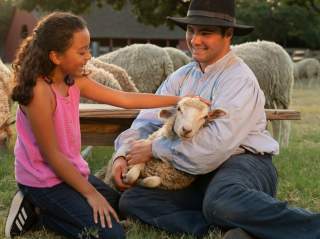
[
  {"x": 311, "y": 5},
  {"x": 288, "y": 25},
  {"x": 287, "y": 22},
  {"x": 5, "y": 16},
  {"x": 152, "y": 12}
]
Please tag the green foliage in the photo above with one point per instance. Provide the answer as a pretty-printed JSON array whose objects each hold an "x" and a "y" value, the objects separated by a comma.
[
  {"x": 310, "y": 5},
  {"x": 6, "y": 11},
  {"x": 47, "y": 5},
  {"x": 291, "y": 23},
  {"x": 152, "y": 12},
  {"x": 290, "y": 26}
]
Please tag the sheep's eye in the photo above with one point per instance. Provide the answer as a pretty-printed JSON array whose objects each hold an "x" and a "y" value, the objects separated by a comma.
[
  {"x": 179, "y": 109},
  {"x": 205, "y": 117}
]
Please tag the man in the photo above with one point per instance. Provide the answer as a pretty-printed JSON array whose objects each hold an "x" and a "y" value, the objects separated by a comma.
[{"x": 233, "y": 190}]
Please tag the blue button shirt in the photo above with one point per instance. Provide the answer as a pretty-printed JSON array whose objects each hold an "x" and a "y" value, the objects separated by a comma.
[{"x": 228, "y": 84}]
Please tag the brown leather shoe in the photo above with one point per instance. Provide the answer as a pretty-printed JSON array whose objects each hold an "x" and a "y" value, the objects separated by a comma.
[{"x": 237, "y": 233}]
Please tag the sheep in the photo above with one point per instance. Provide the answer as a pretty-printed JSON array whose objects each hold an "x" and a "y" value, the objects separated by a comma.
[
  {"x": 148, "y": 65},
  {"x": 307, "y": 71},
  {"x": 273, "y": 68},
  {"x": 184, "y": 121},
  {"x": 5, "y": 115},
  {"x": 119, "y": 74},
  {"x": 178, "y": 57},
  {"x": 101, "y": 76},
  {"x": 5, "y": 77}
]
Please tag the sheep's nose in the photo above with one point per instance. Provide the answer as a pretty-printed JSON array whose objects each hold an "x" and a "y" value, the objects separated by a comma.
[{"x": 186, "y": 131}]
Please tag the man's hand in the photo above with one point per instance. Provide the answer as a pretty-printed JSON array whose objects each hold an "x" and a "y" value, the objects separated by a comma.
[
  {"x": 140, "y": 152},
  {"x": 119, "y": 169}
]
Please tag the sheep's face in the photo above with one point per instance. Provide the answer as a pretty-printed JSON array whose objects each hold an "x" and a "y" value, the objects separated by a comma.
[
  {"x": 190, "y": 115},
  {"x": 189, "y": 120}
]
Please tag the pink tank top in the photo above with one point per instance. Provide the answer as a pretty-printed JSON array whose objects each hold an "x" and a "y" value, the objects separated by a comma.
[{"x": 31, "y": 168}]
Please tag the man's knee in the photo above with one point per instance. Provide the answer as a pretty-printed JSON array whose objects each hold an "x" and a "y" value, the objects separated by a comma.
[
  {"x": 225, "y": 206},
  {"x": 128, "y": 202}
]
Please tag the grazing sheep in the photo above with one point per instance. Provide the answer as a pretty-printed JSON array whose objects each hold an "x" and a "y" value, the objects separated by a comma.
[
  {"x": 184, "y": 122},
  {"x": 148, "y": 65},
  {"x": 307, "y": 71},
  {"x": 119, "y": 74},
  {"x": 273, "y": 68},
  {"x": 178, "y": 57}
]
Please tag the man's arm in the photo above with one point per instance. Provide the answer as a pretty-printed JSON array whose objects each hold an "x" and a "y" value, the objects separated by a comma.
[
  {"x": 146, "y": 123},
  {"x": 244, "y": 102}
]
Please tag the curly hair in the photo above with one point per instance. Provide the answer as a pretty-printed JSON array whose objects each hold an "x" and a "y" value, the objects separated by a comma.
[{"x": 52, "y": 33}]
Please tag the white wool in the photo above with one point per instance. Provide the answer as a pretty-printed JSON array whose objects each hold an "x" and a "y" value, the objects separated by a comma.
[
  {"x": 273, "y": 68},
  {"x": 148, "y": 65}
]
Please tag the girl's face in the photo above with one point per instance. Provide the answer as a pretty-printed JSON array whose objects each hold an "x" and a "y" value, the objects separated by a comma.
[{"x": 73, "y": 60}]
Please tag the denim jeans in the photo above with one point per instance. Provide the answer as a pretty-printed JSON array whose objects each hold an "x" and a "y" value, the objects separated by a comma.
[
  {"x": 240, "y": 193},
  {"x": 66, "y": 211}
]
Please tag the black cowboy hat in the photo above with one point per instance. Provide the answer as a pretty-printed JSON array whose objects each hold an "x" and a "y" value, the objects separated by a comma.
[{"x": 212, "y": 13}]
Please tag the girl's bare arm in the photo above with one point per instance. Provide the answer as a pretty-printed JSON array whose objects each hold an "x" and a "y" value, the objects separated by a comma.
[
  {"x": 40, "y": 115},
  {"x": 130, "y": 100}
]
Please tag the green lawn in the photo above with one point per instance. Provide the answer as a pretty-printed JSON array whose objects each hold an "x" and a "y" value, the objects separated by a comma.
[{"x": 298, "y": 168}]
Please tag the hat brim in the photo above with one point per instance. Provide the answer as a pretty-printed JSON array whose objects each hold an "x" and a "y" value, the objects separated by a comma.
[{"x": 239, "y": 30}]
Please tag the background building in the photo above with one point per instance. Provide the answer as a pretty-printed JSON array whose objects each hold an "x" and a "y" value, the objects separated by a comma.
[{"x": 109, "y": 30}]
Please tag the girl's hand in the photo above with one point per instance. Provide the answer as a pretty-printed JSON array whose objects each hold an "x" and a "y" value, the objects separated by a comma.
[{"x": 101, "y": 209}]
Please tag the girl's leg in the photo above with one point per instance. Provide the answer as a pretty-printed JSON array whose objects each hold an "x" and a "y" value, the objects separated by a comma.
[{"x": 67, "y": 212}]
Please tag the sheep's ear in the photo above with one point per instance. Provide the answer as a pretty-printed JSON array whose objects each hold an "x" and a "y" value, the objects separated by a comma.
[
  {"x": 216, "y": 113},
  {"x": 167, "y": 113}
]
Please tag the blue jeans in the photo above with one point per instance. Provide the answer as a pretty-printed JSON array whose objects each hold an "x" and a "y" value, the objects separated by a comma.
[
  {"x": 240, "y": 193},
  {"x": 65, "y": 211}
]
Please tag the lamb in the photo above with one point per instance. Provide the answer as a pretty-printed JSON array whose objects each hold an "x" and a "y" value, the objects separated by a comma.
[
  {"x": 178, "y": 57},
  {"x": 307, "y": 71},
  {"x": 273, "y": 68},
  {"x": 184, "y": 122},
  {"x": 148, "y": 65}
]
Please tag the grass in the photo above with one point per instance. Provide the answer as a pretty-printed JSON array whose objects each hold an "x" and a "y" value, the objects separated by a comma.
[{"x": 298, "y": 168}]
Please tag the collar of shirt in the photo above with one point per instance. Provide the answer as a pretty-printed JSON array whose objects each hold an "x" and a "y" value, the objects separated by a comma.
[{"x": 218, "y": 64}]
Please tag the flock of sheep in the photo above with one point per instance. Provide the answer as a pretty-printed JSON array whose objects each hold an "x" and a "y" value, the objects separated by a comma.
[{"x": 143, "y": 67}]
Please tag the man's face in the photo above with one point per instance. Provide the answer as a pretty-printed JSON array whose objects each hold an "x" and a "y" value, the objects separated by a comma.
[{"x": 207, "y": 44}]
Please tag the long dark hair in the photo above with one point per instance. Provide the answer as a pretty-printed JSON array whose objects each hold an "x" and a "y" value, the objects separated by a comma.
[{"x": 52, "y": 33}]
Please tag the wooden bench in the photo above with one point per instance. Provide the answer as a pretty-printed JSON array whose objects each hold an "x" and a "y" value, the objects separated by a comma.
[{"x": 101, "y": 124}]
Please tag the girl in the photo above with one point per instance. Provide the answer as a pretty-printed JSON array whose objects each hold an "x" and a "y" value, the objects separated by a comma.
[{"x": 50, "y": 172}]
